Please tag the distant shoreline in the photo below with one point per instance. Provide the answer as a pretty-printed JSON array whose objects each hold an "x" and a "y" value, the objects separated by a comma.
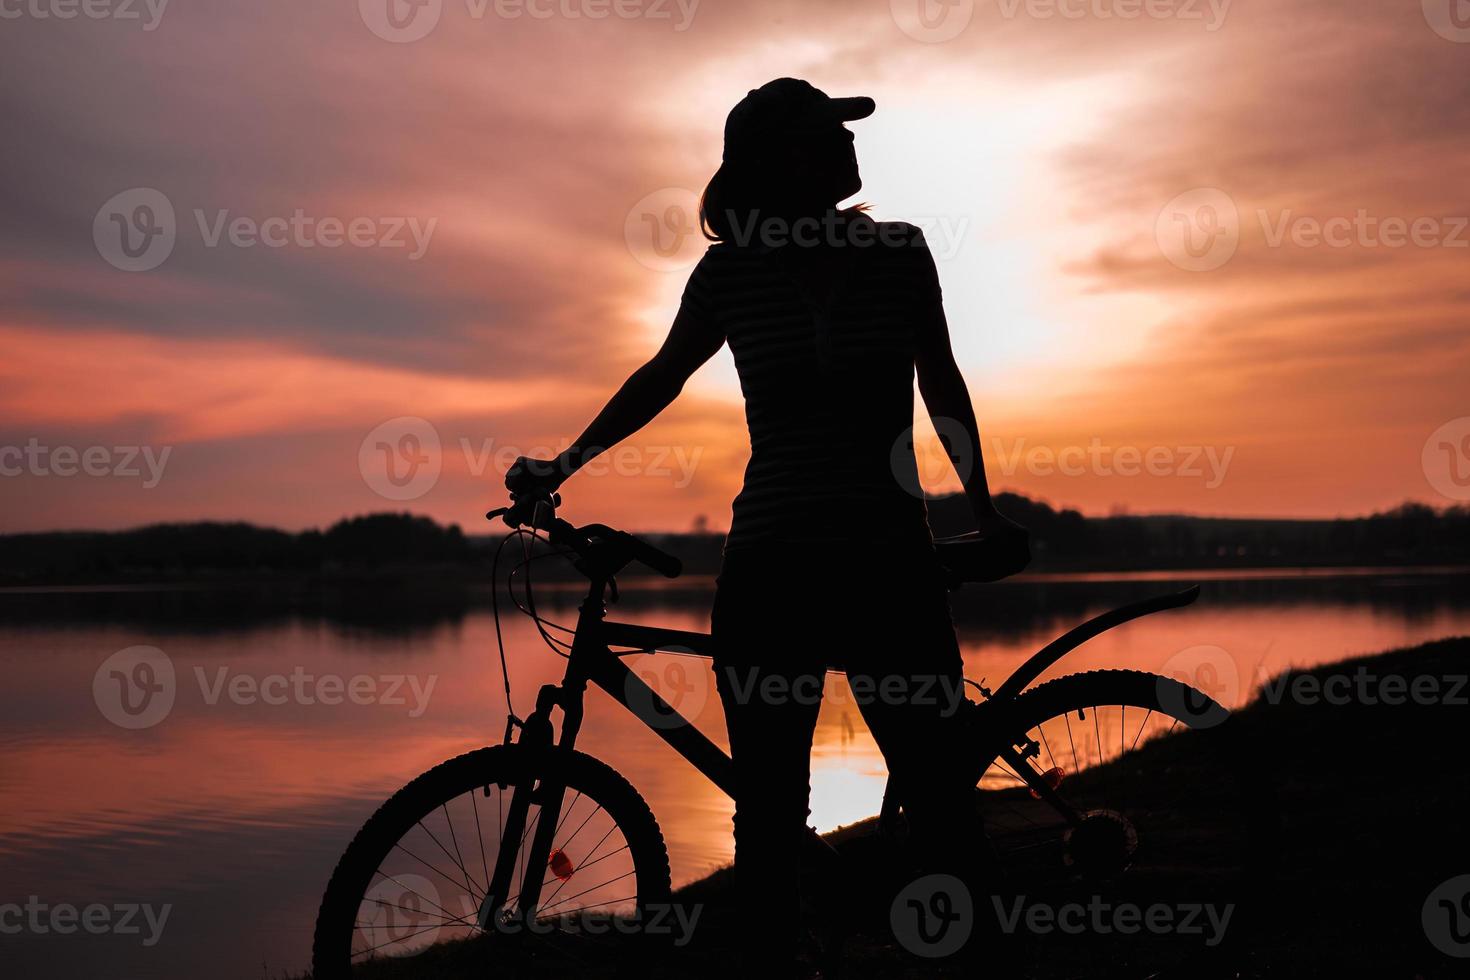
[
  {"x": 694, "y": 582},
  {"x": 400, "y": 546}
]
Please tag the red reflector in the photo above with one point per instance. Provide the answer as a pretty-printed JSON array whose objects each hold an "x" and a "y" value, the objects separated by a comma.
[
  {"x": 1052, "y": 778},
  {"x": 561, "y": 865}
]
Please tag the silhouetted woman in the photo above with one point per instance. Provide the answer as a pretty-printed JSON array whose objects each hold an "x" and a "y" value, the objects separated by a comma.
[{"x": 829, "y": 560}]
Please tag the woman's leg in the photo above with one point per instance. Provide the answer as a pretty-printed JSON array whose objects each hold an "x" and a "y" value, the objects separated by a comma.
[
  {"x": 907, "y": 675},
  {"x": 771, "y": 695},
  {"x": 771, "y": 743}
]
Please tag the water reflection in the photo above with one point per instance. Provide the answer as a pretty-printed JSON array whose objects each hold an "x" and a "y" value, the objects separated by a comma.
[{"x": 235, "y": 806}]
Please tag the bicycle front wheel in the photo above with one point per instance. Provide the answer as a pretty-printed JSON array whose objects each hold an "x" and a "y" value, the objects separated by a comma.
[{"x": 415, "y": 880}]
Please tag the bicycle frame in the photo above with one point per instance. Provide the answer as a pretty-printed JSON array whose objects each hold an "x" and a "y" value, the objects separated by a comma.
[{"x": 593, "y": 660}]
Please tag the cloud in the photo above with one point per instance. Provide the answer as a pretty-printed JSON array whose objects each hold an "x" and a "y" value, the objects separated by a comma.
[{"x": 527, "y": 141}]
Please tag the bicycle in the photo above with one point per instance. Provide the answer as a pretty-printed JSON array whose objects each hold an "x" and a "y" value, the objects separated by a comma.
[{"x": 572, "y": 843}]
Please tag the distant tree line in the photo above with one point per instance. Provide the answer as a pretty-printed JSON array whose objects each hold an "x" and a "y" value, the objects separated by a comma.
[
  {"x": 380, "y": 540},
  {"x": 1410, "y": 534},
  {"x": 1063, "y": 540}
]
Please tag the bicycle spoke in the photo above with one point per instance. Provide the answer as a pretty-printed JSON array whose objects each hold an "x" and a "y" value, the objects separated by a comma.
[
  {"x": 546, "y": 908},
  {"x": 1142, "y": 727},
  {"x": 391, "y": 905},
  {"x": 1066, "y": 717},
  {"x": 1041, "y": 729},
  {"x": 580, "y": 826},
  {"x": 418, "y": 893},
  {"x": 598, "y": 905},
  {"x": 453, "y": 839},
  {"x": 587, "y": 864},
  {"x": 480, "y": 836},
  {"x": 458, "y": 863},
  {"x": 432, "y": 867},
  {"x": 390, "y": 942},
  {"x": 565, "y": 813},
  {"x": 589, "y": 854}
]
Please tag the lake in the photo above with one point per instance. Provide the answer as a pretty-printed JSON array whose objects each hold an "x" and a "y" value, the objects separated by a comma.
[{"x": 202, "y": 788}]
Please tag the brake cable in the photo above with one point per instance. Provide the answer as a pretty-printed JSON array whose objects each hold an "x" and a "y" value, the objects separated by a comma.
[
  {"x": 559, "y": 647},
  {"x": 511, "y": 721},
  {"x": 529, "y": 609}
]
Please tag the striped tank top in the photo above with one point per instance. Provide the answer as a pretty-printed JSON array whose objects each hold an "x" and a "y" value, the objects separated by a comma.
[{"x": 826, "y": 365}]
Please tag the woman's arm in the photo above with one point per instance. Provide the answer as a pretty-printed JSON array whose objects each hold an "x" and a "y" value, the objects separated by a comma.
[
  {"x": 947, "y": 398},
  {"x": 649, "y": 390}
]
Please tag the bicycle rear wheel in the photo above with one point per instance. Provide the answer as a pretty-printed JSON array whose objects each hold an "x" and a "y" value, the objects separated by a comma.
[
  {"x": 414, "y": 881},
  {"x": 1152, "y": 874}
]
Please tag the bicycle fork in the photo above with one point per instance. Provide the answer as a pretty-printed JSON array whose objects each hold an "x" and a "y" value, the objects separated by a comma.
[{"x": 548, "y": 792}]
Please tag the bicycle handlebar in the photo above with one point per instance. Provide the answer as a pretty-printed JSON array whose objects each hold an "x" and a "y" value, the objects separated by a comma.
[
  {"x": 975, "y": 558},
  {"x": 667, "y": 565},
  {"x": 966, "y": 557},
  {"x": 589, "y": 541}
]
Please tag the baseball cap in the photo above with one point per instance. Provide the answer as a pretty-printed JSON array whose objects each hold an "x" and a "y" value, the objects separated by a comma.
[{"x": 786, "y": 106}]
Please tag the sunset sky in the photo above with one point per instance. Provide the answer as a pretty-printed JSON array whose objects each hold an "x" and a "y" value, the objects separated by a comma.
[{"x": 504, "y": 174}]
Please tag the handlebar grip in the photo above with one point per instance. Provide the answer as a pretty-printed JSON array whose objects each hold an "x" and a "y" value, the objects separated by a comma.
[
  {"x": 536, "y": 509},
  {"x": 660, "y": 561}
]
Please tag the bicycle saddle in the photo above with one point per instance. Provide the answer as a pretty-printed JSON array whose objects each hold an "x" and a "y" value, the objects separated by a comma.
[{"x": 975, "y": 558}]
